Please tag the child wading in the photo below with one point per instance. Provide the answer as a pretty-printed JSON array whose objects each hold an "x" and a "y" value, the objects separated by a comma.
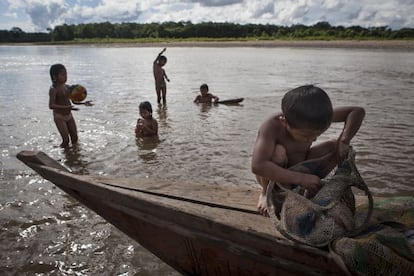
[
  {"x": 160, "y": 76},
  {"x": 61, "y": 105}
]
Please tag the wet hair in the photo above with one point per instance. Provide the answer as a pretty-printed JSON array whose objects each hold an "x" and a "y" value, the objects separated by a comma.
[
  {"x": 204, "y": 86},
  {"x": 162, "y": 58},
  {"x": 307, "y": 107},
  {"x": 55, "y": 69},
  {"x": 145, "y": 106}
]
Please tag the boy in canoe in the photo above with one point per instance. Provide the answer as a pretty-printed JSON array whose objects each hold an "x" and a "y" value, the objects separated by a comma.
[
  {"x": 286, "y": 138},
  {"x": 160, "y": 76},
  {"x": 205, "y": 96}
]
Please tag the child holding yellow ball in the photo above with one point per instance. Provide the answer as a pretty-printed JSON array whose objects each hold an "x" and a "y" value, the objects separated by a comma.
[{"x": 60, "y": 103}]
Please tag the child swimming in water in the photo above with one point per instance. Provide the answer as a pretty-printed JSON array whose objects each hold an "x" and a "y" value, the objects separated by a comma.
[{"x": 205, "y": 97}]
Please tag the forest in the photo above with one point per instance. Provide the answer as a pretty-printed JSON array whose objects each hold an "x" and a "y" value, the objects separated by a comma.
[{"x": 206, "y": 30}]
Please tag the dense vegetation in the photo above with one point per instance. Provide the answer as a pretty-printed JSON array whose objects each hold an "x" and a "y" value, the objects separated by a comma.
[
  {"x": 188, "y": 30},
  {"x": 17, "y": 35}
]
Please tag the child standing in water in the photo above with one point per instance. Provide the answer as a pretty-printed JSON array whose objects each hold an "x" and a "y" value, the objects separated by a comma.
[
  {"x": 160, "y": 76},
  {"x": 61, "y": 105},
  {"x": 286, "y": 139},
  {"x": 205, "y": 97},
  {"x": 146, "y": 126}
]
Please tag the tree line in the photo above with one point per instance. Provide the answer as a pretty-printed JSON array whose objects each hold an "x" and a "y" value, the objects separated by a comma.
[{"x": 185, "y": 30}]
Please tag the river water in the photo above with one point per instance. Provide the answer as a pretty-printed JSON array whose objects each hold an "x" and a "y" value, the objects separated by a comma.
[{"x": 45, "y": 232}]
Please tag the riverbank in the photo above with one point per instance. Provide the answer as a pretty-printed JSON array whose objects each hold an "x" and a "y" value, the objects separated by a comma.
[
  {"x": 361, "y": 44},
  {"x": 405, "y": 45}
]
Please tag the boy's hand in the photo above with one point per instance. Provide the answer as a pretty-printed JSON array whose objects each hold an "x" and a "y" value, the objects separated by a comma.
[
  {"x": 343, "y": 150},
  {"x": 311, "y": 182}
]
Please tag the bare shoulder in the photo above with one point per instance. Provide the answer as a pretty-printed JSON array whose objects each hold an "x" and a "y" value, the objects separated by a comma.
[{"x": 271, "y": 124}]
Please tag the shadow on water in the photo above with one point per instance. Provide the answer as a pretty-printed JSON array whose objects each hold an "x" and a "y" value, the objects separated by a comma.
[
  {"x": 147, "y": 148},
  {"x": 74, "y": 160}
]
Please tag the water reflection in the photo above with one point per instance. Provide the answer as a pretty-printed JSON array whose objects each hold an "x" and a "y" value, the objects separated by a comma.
[
  {"x": 147, "y": 148},
  {"x": 162, "y": 114},
  {"x": 75, "y": 160}
]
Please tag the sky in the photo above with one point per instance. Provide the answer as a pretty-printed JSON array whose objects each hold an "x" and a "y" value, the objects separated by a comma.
[{"x": 38, "y": 15}]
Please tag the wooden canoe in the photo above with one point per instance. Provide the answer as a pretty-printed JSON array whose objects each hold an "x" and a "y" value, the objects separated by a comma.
[
  {"x": 231, "y": 101},
  {"x": 196, "y": 229}
]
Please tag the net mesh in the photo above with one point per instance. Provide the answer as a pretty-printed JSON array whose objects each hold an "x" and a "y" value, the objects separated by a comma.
[
  {"x": 324, "y": 217},
  {"x": 387, "y": 246}
]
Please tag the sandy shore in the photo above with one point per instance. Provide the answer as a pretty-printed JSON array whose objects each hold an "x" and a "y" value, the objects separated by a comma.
[{"x": 407, "y": 45}]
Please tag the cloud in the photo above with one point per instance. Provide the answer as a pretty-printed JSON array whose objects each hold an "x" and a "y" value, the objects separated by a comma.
[
  {"x": 216, "y": 3},
  {"x": 265, "y": 8},
  {"x": 45, "y": 13},
  {"x": 107, "y": 10},
  {"x": 368, "y": 13}
]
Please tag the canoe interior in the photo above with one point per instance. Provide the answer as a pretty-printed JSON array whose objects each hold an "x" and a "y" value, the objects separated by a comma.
[{"x": 195, "y": 228}]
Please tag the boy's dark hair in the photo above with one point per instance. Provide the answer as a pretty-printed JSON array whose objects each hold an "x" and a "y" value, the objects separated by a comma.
[
  {"x": 307, "y": 107},
  {"x": 204, "y": 86},
  {"x": 162, "y": 58},
  {"x": 55, "y": 69},
  {"x": 145, "y": 106}
]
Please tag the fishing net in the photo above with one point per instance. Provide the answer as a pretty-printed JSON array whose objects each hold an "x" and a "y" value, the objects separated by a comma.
[
  {"x": 387, "y": 246},
  {"x": 328, "y": 215},
  {"x": 372, "y": 239}
]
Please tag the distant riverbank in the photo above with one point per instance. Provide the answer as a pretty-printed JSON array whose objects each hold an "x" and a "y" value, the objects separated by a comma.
[
  {"x": 369, "y": 44},
  {"x": 360, "y": 44},
  {"x": 365, "y": 44}
]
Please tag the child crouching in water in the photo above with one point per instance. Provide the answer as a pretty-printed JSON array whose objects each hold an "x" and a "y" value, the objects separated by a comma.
[
  {"x": 205, "y": 96},
  {"x": 286, "y": 139},
  {"x": 146, "y": 126}
]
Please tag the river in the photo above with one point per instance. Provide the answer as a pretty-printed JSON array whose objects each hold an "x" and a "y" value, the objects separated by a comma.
[{"x": 45, "y": 232}]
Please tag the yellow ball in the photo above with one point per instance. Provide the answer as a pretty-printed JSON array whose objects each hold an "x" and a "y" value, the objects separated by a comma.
[{"x": 77, "y": 93}]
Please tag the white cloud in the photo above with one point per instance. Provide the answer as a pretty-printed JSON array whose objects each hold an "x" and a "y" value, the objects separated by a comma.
[
  {"x": 107, "y": 10},
  {"x": 48, "y": 13},
  {"x": 45, "y": 13},
  {"x": 216, "y": 3}
]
